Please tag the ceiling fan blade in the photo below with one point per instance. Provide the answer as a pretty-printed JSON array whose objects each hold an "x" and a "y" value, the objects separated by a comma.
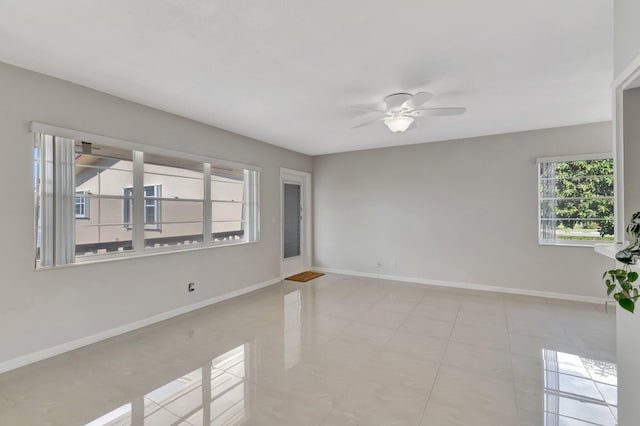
[
  {"x": 416, "y": 100},
  {"x": 412, "y": 126},
  {"x": 366, "y": 123},
  {"x": 367, "y": 109},
  {"x": 423, "y": 112},
  {"x": 396, "y": 101}
]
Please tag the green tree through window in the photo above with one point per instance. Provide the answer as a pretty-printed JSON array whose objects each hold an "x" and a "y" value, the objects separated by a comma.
[{"x": 576, "y": 200}]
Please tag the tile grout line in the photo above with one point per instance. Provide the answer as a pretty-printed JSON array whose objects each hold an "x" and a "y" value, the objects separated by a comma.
[
  {"x": 513, "y": 372},
  {"x": 435, "y": 380}
]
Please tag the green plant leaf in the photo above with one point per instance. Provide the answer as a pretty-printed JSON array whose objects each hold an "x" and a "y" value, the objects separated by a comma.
[
  {"x": 620, "y": 281},
  {"x": 627, "y": 304}
]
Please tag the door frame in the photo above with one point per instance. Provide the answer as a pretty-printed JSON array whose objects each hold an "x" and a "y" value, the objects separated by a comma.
[
  {"x": 627, "y": 79},
  {"x": 307, "y": 216}
]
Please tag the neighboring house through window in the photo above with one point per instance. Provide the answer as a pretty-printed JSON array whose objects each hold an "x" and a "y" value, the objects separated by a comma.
[
  {"x": 151, "y": 207},
  {"x": 133, "y": 193}
]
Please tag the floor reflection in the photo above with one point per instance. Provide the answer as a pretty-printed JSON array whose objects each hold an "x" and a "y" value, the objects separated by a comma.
[
  {"x": 337, "y": 351},
  {"x": 181, "y": 400},
  {"x": 578, "y": 389},
  {"x": 292, "y": 329}
]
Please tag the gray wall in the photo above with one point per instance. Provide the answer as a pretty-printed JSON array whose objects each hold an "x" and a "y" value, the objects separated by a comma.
[
  {"x": 46, "y": 308},
  {"x": 626, "y": 33},
  {"x": 458, "y": 211},
  {"x": 628, "y": 343}
]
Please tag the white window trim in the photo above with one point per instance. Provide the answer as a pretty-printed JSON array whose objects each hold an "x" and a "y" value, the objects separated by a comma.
[
  {"x": 253, "y": 204},
  {"x": 579, "y": 157},
  {"x": 562, "y": 158},
  {"x": 62, "y": 132}
]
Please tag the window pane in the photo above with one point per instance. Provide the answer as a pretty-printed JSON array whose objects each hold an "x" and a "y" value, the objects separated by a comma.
[
  {"x": 577, "y": 208},
  {"x": 102, "y": 174},
  {"x": 576, "y": 200},
  {"x": 227, "y": 185},
  {"x": 577, "y": 230},
  {"x": 227, "y": 206},
  {"x": 80, "y": 200},
  {"x": 104, "y": 231},
  {"x": 102, "y": 170},
  {"x": 571, "y": 186},
  {"x": 37, "y": 169},
  {"x": 150, "y": 211},
  {"x": 179, "y": 179},
  {"x": 223, "y": 231},
  {"x": 175, "y": 222},
  {"x": 170, "y": 219}
]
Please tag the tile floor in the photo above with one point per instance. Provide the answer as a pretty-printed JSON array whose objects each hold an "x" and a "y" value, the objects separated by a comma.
[{"x": 337, "y": 351}]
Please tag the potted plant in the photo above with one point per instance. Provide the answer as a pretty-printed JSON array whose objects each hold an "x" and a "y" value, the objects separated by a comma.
[{"x": 620, "y": 282}]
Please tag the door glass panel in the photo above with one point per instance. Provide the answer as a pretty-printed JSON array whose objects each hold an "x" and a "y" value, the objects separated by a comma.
[{"x": 292, "y": 231}]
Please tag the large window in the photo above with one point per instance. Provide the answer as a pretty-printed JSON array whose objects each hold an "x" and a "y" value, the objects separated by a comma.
[
  {"x": 140, "y": 201},
  {"x": 576, "y": 199}
]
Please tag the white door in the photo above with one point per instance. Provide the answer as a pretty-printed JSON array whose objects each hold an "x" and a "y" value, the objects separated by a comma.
[{"x": 293, "y": 224}]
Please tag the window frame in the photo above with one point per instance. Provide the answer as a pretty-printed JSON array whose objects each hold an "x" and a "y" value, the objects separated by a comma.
[
  {"x": 139, "y": 249},
  {"x": 571, "y": 158},
  {"x": 127, "y": 211}
]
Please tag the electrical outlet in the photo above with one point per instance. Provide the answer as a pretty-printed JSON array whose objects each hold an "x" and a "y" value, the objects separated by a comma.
[
  {"x": 191, "y": 287},
  {"x": 379, "y": 264}
]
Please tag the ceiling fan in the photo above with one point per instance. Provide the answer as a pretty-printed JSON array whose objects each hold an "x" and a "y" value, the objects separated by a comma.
[{"x": 404, "y": 108}]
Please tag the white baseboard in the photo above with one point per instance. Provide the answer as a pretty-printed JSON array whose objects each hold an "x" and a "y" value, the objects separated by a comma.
[
  {"x": 468, "y": 286},
  {"x": 84, "y": 341}
]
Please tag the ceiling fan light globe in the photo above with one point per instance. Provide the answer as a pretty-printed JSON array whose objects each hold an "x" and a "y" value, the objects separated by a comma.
[{"x": 398, "y": 124}]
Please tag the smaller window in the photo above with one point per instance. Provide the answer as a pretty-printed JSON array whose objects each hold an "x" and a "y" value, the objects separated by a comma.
[
  {"x": 152, "y": 193},
  {"x": 575, "y": 200},
  {"x": 82, "y": 205}
]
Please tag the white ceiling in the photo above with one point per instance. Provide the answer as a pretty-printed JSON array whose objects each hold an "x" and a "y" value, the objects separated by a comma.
[{"x": 286, "y": 72}]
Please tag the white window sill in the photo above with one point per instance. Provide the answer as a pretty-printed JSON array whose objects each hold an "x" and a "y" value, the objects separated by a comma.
[
  {"x": 588, "y": 244},
  {"x": 90, "y": 260},
  {"x": 609, "y": 250}
]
